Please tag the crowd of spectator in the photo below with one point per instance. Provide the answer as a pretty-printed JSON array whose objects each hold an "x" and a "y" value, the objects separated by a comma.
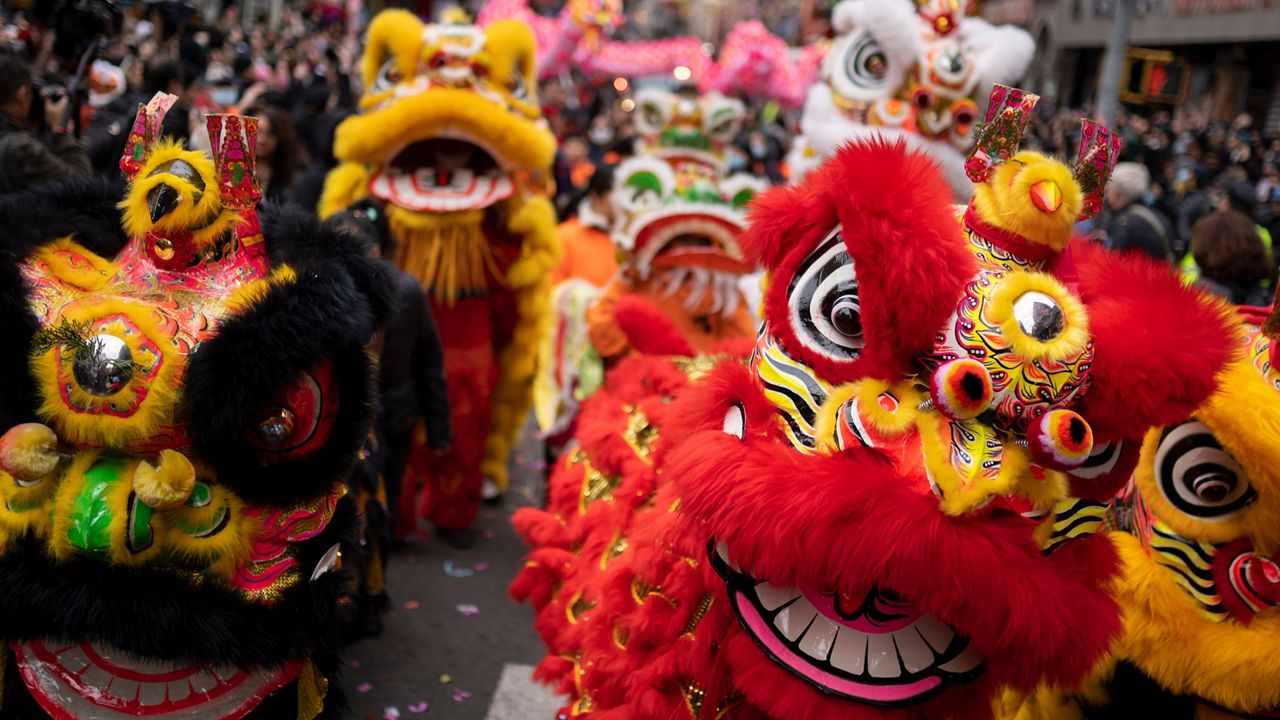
[
  {"x": 1191, "y": 189},
  {"x": 1188, "y": 191}
]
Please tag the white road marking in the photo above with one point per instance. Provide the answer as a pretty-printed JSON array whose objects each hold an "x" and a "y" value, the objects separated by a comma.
[{"x": 518, "y": 697}]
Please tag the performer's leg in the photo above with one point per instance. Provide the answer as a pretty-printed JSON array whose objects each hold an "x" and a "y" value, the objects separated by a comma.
[{"x": 454, "y": 493}]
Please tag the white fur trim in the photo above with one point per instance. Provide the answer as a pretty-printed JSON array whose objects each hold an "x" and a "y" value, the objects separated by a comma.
[{"x": 1001, "y": 54}]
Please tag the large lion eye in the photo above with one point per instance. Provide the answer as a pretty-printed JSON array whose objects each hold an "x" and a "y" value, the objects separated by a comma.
[
  {"x": 823, "y": 299},
  {"x": 1198, "y": 477},
  {"x": 388, "y": 76},
  {"x": 865, "y": 63},
  {"x": 516, "y": 86},
  {"x": 735, "y": 421},
  {"x": 299, "y": 419}
]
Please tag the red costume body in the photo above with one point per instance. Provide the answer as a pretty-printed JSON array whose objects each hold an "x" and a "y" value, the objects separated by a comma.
[{"x": 808, "y": 537}]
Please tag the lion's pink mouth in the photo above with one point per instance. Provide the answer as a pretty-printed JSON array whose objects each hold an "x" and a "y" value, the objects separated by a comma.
[
  {"x": 89, "y": 680},
  {"x": 879, "y": 650}
]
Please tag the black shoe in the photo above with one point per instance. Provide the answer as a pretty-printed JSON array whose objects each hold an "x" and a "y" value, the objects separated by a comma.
[
  {"x": 371, "y": 620},
  {"x": 458, "y": 539}
]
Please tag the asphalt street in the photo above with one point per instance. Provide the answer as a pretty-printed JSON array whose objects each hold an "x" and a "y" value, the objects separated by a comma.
[{"x": 454, "y": 646}]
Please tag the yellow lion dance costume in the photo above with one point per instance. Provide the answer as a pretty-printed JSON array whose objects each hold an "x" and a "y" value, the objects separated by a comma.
[
  {"x": 1197, "y": 531},
  {"x": 452, "y": 139}
]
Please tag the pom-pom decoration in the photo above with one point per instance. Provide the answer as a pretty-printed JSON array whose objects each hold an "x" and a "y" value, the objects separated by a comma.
[
  {"x": 1008, "y": 113},
  {"x": 1099, "y": 148},
  {"x": 961, "y": 389},
  {"x": 1060, "y": 439}
]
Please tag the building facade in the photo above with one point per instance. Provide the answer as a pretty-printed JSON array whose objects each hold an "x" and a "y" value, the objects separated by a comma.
[{"x": 1219, "y": 56}]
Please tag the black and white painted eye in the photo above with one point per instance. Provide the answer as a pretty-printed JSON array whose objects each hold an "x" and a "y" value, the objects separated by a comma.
[
  {"x": 388, "y": 76},
  {"x": 1101, "y": 461},
  {"x": 866, "y": 65},
  {"x": 653, "y": 110},
  {"x": 823, "y": 301},
  {"x": 517, "y": 87},
  {"x": 1198, "y": 477},
  {"x": 735, "y": 421}
]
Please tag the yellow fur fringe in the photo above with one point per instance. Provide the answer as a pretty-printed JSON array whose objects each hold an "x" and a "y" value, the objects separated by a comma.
[
  {"x": 1005, "y": 200},
  {"x": 1186, "y": 653},
  {"x": 528, "y": 278},
  {"x": 63, "y": 256},
  {"x": 200, "y": 212},
  {"x": 105, "y": 430},
  {"x": 343, "y": 186},
  {"x": 447, "y": 252},
  {"x": 1074, "y": 335}
]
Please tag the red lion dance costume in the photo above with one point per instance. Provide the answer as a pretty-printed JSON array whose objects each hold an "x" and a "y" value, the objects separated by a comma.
[{"x": 883, "y": 514}]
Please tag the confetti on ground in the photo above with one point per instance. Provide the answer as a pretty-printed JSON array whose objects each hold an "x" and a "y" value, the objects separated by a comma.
[
  {"x": 412, "y": 559},
  {"x": 489, "y": 534},
  {"x": 481, "y": 566},
  {"x": 460, "y": 695},
  {"x": 452, "y": 569},
  {"x": 364, "y": 687},
  {"x": 411, "y": 605},
  {"x": 419, "y": 708},
  {"x": 468, "y": 610},
  {"x": 355, "y": 664},
  {"x": 446, "y": 679},
  {"x": 391, "y": 713}
]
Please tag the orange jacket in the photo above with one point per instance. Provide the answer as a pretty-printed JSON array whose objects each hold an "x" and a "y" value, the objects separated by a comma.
[
  {"x": 702, "y": 329},
  {"x": 589, "y": 254}
]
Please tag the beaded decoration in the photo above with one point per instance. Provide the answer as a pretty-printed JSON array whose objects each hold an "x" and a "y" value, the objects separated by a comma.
[
  {"x": 1099, "y": 148},
  {"x": 1008, "y": 113},
  {"x": 146, "y": 130},
  {"x": 234, "y": 141}
]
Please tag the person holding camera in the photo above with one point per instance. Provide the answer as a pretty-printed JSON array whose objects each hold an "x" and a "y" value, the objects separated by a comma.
[{"x": 35, "y": 146}]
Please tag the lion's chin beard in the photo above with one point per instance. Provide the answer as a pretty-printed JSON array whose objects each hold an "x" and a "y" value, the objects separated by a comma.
[
  {"x": 447, "y": 252},
  {"x": 721, "y": 287}
]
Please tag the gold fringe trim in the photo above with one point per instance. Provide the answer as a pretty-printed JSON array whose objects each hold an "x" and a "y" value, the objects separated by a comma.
[
  {"x": 312, "y": 689},
  {"x": 447, "y": 252}
]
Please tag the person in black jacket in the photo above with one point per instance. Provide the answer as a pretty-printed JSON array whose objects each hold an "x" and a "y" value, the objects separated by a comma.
[
  {"x": 1133, "y": 225},
  {"x": 28, "y": 156},
  {"x": 411, "y": 371}
]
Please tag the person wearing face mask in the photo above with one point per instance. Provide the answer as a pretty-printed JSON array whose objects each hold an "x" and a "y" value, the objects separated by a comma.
[{"x": 601, "y": 137}]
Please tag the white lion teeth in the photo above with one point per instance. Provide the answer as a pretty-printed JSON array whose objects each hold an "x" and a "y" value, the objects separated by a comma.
[
  {"x": 127, "y": 690},
  {"x": 850, "y": 653},
  {"x": 964, "y": 662},
  {"x": 819, "y": 638},
  {"x": 722, "y": 550},
  {"x": 882, "y": 658},
  {"x": 938, "y": 636},
  {"x": 153, "y": 694},
  {"x": 913, "y": 650},
  {"x": 794, "y": 618},
  {"x": 771, "y": 598}
]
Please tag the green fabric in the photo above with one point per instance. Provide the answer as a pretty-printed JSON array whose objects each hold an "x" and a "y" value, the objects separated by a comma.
[{"x": 91, "y": 515}]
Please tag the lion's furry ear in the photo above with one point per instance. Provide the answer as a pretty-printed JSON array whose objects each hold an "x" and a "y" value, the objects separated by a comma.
[{"x": 392, "y": 34}]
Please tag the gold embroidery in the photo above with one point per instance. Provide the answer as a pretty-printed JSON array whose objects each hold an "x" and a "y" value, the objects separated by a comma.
[
  {"x": 617, "y": 546},
  {"x": 698, "y": 614},
  {"x": 578, "y": 607},
  {"x": 640, "y": 434},
  {"x": 312, "y": 689},
  {"x": 595, "y": 486}
]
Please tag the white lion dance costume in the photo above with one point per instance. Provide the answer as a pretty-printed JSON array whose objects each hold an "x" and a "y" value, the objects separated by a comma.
[{"x": 904, "y": 69}]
